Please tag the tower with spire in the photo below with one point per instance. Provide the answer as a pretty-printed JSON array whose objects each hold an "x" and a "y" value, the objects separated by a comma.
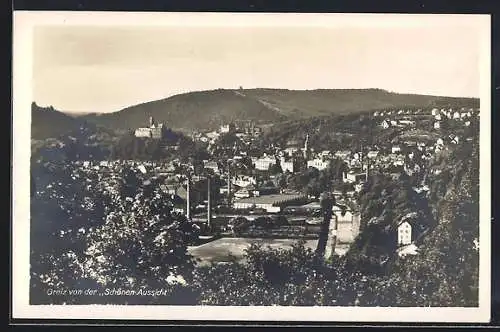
[{"x": 306, "y": 147}]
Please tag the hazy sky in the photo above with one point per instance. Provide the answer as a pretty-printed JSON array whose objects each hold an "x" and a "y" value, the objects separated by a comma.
[{"x": 104, "y": 69}]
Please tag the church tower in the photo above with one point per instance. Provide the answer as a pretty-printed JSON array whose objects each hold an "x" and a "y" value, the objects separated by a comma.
[{"x": 306, "y": 147}]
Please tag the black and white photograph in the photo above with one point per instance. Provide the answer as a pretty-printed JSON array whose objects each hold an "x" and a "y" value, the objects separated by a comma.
[{"x": 329, "y": 167}]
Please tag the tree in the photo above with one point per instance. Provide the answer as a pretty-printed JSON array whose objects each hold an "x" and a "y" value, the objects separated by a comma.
[
  {"x": 64, "y": 208},
  {"x": 140, "y": 245},
  {"x": 327, "y": 201},
  {"x": 275, "y": 169}
]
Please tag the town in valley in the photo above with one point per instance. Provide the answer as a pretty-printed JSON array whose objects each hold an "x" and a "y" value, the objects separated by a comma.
[
  {"x": 318, "y": 164},
  {"x": 251, "y": 183}
]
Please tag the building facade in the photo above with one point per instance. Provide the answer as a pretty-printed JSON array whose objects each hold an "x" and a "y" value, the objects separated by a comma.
[
  {"x": 155, "y": 131},
  {"x": 404, "y": 234},
  {"x": 263, "y": 164},
  {"x": 319, "y": 164}
]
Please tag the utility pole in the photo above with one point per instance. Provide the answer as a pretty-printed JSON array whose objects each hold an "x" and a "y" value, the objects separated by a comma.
[
  {"x": 188, "y": 197},
  {"x": 229, "y": 184},
  {"x": 209, "y": 207}
]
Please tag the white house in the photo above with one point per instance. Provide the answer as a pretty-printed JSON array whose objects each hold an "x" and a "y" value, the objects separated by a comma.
[
  {"x": 404, "y": 233},
  {"x": 456, "y": 115},
  {"x": 372, "y": 154},
  {"x": 287, "y": 165},
  {"x": 437, "y": 125},
  {"x": 435, "y": 112},
  {"x": 244, "y": 180},
  {"x": 318, "y": 163},
  {"x": 353, "y": 177},
  {"x": 438, "y": 117},
  {"x": 264, "y": 163},
  {"x": 396, "y": 148},
  {"x": 385, "y": 124},
  {"x": 439, "y": 141}
]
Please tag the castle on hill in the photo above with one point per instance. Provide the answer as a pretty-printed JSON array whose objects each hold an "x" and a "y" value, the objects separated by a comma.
[{"x": 155, "y": 131}]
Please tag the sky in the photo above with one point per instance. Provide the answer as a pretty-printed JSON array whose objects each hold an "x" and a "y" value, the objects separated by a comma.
[{"x": 84, "y": 68}]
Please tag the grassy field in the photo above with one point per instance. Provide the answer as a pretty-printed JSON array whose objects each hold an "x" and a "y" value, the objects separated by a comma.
[{"x": 220, "y": 250}]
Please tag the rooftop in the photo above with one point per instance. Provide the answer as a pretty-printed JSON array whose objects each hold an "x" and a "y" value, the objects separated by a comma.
[{"x": 271, "y": 199}]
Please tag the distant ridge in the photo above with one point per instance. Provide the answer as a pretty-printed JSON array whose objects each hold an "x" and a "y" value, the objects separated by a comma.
[
  {"x": 204, "y": 110},
  {"x": 47, "y": 122}
]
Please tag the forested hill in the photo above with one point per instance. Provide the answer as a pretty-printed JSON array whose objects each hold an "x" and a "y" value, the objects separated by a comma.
[
  {"x": 209, "y": 109},
  {"x": 46, "y": 122}
]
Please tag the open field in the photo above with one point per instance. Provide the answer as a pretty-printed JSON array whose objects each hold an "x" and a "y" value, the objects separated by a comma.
[{"x": 220, "y": 249}]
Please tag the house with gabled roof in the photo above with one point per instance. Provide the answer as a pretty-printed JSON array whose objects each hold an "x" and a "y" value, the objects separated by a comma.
[{"x": 410, "y": 229}]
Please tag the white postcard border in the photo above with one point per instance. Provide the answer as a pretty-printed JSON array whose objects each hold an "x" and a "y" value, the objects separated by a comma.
[{"x": 23, "y": 23}]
